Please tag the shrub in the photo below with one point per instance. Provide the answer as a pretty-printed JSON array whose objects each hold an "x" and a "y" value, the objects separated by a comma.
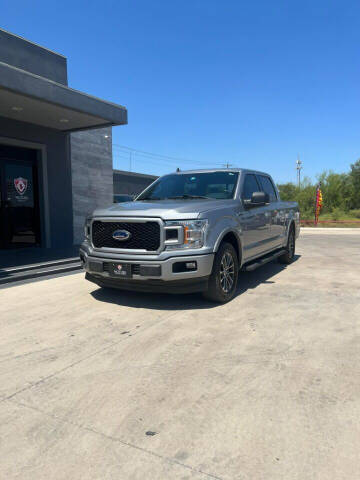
[
  {"x": 337, "y": 214},
  {"x": 355, "y": 213}
]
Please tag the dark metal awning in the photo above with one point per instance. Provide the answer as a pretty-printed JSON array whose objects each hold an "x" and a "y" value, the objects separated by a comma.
[{"x": 33, "y": 99}]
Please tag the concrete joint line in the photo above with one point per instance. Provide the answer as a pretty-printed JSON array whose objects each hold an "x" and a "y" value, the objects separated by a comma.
[
  {"x": 77, "y": 362},
  {"x": 115, "y": 439}
]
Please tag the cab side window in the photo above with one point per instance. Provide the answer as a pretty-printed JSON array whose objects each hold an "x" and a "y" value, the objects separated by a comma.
[
  {"x": 250, "y": 186},
  {"x": 268, "y": 187}
]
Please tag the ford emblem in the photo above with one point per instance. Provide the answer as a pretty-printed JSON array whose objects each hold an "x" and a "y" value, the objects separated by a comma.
[{"x": 121, "y": 235}]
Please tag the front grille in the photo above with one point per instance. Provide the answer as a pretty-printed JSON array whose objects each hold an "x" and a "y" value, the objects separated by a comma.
[{"x": 144, "y": 235}]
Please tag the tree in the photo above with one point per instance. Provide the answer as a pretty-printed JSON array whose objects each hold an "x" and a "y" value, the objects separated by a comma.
[
  {"x": 355, "y": 180},
  {"x": 341, "y": 192},
  {"x": 305, "y": 196},
  {"x": 337, "y": 191},
  {"x": 287, "y": 191}
]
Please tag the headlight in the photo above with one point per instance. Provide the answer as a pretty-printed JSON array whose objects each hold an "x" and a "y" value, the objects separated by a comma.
[
  {"x": 181, "y": 234},
  {"x": 87, "y": 228}
]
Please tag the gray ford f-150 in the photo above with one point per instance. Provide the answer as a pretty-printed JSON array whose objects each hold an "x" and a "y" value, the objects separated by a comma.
[{"x": 191, "y": 231}]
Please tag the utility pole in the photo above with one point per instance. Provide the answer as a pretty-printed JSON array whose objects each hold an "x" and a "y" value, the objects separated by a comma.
[
  {"x": 227, "y": 165},
  {"x": 298, "y": 168},
  {"x": 130, "y": 160}
]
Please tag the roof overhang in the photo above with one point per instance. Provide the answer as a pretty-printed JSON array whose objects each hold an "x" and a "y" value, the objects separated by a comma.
[{"x": 29, "y": 98}]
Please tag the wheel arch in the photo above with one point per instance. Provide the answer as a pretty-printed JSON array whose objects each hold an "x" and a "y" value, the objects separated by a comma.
[{"x": 233, "y": 238}]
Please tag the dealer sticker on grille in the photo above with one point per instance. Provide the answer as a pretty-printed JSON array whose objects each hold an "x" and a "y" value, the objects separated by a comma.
[{"x": 122, "y": 270}]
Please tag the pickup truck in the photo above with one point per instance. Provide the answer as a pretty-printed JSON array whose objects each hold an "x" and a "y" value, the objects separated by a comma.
[{"x": 191, "y": 231}]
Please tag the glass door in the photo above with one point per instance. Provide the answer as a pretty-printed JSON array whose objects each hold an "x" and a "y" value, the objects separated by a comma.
[{"x": 19, "y": 209}]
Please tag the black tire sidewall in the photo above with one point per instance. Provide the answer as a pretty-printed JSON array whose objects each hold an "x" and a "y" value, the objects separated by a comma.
[
  {"x": 288, "y": 257},
  {"x": 215, "y": 291},
  {"x": 291, "y": 253}
]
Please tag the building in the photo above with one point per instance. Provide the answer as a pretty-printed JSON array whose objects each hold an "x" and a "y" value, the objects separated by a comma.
[
  {"x": 55, "y": 148},
  {"x": 131, "y": 183}
]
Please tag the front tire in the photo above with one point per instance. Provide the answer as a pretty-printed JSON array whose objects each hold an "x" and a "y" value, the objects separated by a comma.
[
  {"x": 224, "y": 276},
  {"x": 289, "y": 255}
]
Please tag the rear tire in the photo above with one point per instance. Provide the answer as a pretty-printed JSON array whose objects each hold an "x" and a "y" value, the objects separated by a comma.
[
  {"x": 224, "y": 276},
  {"x": 288, "y": 256}
]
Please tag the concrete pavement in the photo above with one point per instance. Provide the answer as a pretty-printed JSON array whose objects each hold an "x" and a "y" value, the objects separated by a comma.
[{"x": 111, "y": 385}]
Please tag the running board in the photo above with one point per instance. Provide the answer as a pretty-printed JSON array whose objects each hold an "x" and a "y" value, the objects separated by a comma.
[{"x": 259, "y": 262}]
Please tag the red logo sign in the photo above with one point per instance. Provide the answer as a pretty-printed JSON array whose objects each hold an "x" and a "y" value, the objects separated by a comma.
[{"x": 20, "y": 185}]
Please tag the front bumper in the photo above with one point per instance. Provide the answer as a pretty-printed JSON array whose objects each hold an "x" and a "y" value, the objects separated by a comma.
[
  {"x": 191, "y": 285},
  {"x": 159, "y": 273}
]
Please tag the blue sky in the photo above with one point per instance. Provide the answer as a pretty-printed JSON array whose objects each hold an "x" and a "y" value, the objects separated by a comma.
[{"x": 252, "y": 83}]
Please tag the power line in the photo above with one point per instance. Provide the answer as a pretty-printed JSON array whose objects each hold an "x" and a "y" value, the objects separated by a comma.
[
  {"x": 168, "y": 157},
  {"x": 144, "y": 159},
  {"x": 134, "y": 155},
  {"x": 158, "y": 155}
]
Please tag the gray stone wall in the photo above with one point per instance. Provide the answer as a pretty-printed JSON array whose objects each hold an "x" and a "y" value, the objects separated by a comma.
[{"x": 92, "y": 175}]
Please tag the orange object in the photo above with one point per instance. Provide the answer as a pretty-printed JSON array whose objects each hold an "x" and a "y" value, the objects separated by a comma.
[
  {"x": 318, "y": 203},
  {"x": 186, "y": 234}
]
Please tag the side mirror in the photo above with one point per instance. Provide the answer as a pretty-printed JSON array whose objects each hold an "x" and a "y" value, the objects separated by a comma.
[{"x": 258, "y": 199}]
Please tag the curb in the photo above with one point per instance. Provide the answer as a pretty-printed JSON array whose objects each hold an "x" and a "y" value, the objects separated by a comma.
[{"x": 330, "y": 230}]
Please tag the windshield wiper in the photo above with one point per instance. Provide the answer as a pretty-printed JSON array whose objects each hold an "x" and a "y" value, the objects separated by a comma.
[
  {"x": 186, "y": 197},
  {"x": 149, "y": 199},
  {"x": 175, "y": 197}
]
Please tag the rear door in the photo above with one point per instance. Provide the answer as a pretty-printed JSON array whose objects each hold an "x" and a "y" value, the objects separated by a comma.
[
  {"x": 254, "y": 221},
  {"x": 274, "y": 213}
]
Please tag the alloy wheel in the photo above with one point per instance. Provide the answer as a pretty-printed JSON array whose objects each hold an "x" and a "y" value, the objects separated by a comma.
[{"x": 227, "y": 272}]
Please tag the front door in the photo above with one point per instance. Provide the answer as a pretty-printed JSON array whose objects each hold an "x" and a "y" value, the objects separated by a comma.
[
  {"x": 255, "y": 222},
  {"x": 19, "y": 205}
]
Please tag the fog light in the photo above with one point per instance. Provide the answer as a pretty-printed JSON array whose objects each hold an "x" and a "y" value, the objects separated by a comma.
[{"x": 181, "y": 267}]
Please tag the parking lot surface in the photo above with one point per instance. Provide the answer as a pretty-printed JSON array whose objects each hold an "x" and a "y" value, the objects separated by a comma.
[{"x": 117, "y": 385}]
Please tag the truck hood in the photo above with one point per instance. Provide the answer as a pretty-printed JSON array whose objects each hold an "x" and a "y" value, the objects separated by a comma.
[{"x": 165, "y": 209}]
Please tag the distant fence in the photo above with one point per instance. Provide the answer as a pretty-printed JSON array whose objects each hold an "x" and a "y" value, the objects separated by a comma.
[{"x": 311, "y": 222}]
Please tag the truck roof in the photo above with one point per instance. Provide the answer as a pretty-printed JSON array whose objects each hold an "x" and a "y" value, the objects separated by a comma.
[{"x": 212, "y": 170}]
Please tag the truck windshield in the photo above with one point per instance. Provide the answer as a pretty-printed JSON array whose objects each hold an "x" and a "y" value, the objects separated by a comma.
[{"x": 189, "y": 186}]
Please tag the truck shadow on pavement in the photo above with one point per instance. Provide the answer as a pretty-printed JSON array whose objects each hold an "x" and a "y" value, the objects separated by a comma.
[{"x": 193, "y": 301}]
